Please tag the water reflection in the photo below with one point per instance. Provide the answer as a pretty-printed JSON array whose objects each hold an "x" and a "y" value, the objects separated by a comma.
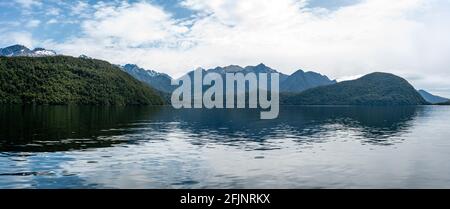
[
  {"x": 29, "y": 170},
  {"x": 63, "y": 128},
  {"x": 375, "y": 125},
  {"x": 159, "y": 147}
]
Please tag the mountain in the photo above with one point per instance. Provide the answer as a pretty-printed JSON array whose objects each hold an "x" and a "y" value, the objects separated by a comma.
[
  {"x": 159, "y": 81},
  {"x": 261, "y": 68},
  {"x": 41, "y": 52},
  {"x": 372, "y": 89},
  {"x": 83, "y": 56},
  {"x": 15, "y": 50},
  {"x": 295, "y": 83},
  {"x": 433, "y": 99},
  {"x": 301, "y": 81},
  {"x": 22, "y": 51},
  {"x": 69, "y": 80}
]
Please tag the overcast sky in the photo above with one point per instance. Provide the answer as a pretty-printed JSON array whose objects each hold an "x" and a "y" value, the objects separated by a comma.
[{"x": 341, "y": 39}]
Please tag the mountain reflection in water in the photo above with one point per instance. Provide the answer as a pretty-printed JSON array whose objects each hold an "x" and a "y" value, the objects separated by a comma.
[
  {"x": 160, "y": 147},
  {"x": 62, "y": 128}
]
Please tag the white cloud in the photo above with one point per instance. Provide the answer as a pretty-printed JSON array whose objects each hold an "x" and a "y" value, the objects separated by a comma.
[
  {"x": 10, "y": 38},
  {"x": 29, "y": 3},
  {"x": 132, "y": 25},
  {"x": 406, "y": 37},
  {"x": 80, "y": 9},
  {"x": 53, "y": 11},
  {"x": 33, "y": 23},
  {"x": 52, "y": 21}
]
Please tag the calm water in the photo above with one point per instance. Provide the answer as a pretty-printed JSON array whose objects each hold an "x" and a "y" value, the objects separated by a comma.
[{"x": 158, "y": 147}]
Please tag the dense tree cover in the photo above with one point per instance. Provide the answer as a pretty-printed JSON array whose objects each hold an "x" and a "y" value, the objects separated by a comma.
[
  {"x": 69, "y": 80},
  {"x": 372, "y": 89},
  {"x": 445, "y": 103}
]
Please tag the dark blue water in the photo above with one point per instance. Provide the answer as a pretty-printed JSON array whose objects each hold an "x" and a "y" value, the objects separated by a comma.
[{"x": 159, "y": 147}]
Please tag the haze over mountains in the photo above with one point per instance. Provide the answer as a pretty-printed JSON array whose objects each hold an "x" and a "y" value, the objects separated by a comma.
[{"x": 300, "y": 88}]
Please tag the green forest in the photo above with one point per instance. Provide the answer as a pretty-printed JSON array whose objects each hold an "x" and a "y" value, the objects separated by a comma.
[
  {"x": 63, "y": 80},
  {"x": 372, "y": 89}
]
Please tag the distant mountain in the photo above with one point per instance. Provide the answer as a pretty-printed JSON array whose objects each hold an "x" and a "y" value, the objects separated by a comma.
[
  {"x": 84, "y": 57},
  {"x": 372, "y": 89},
  {"x": 69, "y": 80},
  {"x": 261, "y": 68},
  {"x": 295, "y": 83},
  {"x": 159, "y": 81},
  {"x": 301, "y": 81},
  {"x": 15, "y": 50},
  {"x": 22, "y": 51},
  {"x": 433, "y": 99},
  {"x": 41, "y": 52}
]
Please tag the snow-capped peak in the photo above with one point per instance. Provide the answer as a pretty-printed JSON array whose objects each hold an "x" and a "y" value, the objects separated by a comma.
[
  {"x": 134, "y": 69},
  {"x": 41, "y": 52},
  {"x": 22, "y": 51},
  {"x": 83, "y": 56}
]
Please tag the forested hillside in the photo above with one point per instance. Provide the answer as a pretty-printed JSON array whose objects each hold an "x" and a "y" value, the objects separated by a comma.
[{"x": 69, "y": 80}]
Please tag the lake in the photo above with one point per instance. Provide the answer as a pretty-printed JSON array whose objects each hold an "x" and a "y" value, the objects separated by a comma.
[{"x": 160, "y": 147}]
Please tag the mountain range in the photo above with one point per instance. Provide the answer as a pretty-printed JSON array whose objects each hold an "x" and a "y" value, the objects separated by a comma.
[
  {"x": 299, "y": 88},
  {"x": 22, "y": 51},
  {"x": 310, "y": 88},
  {"x": 297, "y": 82}
]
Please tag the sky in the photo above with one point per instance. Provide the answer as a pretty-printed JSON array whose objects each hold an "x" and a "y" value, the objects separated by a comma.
[{"x": 342, "y": 39}]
